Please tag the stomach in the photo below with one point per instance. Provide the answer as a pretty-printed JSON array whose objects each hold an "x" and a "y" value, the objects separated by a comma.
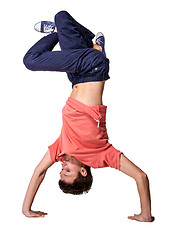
[{"x": 89, "y": 93}]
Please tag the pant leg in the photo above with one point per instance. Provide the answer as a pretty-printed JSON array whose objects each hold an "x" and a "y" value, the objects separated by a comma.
[
  {"x": 40, "y": 56},
  {"x": 81, "y": 64},
  {"x": 92, "y": 65},
  {"x": 71, "y": 34}
]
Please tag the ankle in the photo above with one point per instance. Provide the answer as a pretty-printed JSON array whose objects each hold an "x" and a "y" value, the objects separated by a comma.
[
  {"x": 98, "y": 47},
  {"x": 55, "y": 30}
]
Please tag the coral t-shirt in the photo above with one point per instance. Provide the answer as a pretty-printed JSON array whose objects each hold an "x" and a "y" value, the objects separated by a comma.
[{"x": 84, "y": 136}]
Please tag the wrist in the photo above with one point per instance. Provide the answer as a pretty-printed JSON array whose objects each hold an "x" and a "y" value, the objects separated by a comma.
[
  {"x": 147, "y": 217},
  {"x": 25, "y": 210}
]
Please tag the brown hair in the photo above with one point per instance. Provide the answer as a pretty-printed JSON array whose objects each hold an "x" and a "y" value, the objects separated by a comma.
[{"x": 80, "y": 185}]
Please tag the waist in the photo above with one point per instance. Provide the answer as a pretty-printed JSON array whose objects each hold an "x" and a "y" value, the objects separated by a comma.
[{"x": 89, "y": 93}]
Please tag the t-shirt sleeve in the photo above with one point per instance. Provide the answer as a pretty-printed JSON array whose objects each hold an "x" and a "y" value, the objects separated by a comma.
[
  {"x": 111, "y": 157},
  {"x": 54, "y": 150}
]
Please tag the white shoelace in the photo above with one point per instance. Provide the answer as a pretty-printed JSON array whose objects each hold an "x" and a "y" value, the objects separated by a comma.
[
  {"x": 48, "y": 28},
  {"x": 98, "y": 41}
]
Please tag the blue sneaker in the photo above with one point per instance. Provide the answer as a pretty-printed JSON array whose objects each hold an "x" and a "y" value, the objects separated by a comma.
[
  {"x": 45, "y": 27},
  {"x": 100, "y": 40}
]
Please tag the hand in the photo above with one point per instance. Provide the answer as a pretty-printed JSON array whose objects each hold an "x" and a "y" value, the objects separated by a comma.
[
  {"x": 31, "y": 213},
  {"x": 141, "y": 218}
]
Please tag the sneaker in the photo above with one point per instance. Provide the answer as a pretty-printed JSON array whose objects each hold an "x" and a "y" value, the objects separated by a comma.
[
  {"x": 45, "y": 27},
  {"x": 100, "y": 40}
]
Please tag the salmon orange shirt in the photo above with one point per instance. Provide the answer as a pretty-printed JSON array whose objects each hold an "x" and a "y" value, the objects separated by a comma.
[{"x": 84, "y": 136}]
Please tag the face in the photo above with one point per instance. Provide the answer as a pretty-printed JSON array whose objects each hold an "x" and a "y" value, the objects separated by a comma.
[{"x": 70, "y": 169}]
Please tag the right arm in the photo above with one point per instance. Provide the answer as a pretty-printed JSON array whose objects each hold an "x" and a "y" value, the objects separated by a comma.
[{"x": 36, "y": 180}]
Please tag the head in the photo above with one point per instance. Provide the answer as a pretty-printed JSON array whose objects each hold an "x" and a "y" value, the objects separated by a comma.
[{"x": 75, "y": 177}]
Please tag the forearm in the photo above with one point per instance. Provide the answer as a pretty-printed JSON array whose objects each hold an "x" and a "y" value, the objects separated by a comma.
[
  {"x": 144, "y": 194},
  {"x": 129, "y": 168},
  {"x": 33, "y": 187}
]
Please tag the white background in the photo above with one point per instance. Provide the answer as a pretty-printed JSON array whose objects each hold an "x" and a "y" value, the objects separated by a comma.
[{"x": 139, "y": 95}]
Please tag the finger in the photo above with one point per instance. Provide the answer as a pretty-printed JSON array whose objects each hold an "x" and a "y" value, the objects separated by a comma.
[
  {"x": 40, "y": 215},
  {"x": 131, "y": 217},
  {"x": 34, "y": 215},
  {"x": 37, "y": 214},
  {"x": 43, "y": 213}
]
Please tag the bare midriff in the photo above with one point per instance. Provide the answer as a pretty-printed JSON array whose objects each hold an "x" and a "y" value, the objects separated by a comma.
[{"x": 89, "y": 93}]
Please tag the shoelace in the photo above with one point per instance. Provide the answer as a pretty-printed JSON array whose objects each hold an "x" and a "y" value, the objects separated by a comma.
[
  {"x": 98, "y": 41},
  {"x": 48, "y": 27}
]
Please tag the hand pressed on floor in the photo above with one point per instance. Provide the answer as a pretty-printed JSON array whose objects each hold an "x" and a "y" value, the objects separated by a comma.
[
  {"x": 141, "y": 218},
  {"x": 35, "y": 214}
]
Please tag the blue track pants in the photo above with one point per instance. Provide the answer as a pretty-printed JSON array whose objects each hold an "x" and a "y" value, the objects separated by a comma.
[{"x": 77, "y": 57}]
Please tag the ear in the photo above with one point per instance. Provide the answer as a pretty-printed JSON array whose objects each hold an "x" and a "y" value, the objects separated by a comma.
[{"x": 83, "y": 171}]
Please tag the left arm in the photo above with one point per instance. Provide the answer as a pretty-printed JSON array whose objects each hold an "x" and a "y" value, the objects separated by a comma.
[{"x": 130, "y": 169}]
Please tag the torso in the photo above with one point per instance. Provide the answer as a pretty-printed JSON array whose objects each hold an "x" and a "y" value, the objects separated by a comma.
[{"x": 89, "y": 93}]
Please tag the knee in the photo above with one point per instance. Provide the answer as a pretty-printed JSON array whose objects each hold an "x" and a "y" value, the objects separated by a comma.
[
  {"x": 61, "y": 15},
  {"x": 28, "y": 62}
]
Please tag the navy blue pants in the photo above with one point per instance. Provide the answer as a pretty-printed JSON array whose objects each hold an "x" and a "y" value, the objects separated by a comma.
[{"x": 77, "y": 57}]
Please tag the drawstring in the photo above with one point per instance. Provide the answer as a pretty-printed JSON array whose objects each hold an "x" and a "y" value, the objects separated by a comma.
[{"x": 98, "y": 122}]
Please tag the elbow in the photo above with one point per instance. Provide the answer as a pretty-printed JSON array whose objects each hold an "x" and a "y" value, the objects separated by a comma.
[
  {"x": 142, "y": 176},
  {"x": 39, "y": 172}
]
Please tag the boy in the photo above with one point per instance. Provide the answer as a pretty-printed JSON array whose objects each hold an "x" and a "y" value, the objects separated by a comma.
[{"x": 83, "y": 142}]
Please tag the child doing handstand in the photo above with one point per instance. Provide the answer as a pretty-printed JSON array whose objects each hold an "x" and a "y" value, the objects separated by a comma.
[{"x": 83, "y": 142}]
